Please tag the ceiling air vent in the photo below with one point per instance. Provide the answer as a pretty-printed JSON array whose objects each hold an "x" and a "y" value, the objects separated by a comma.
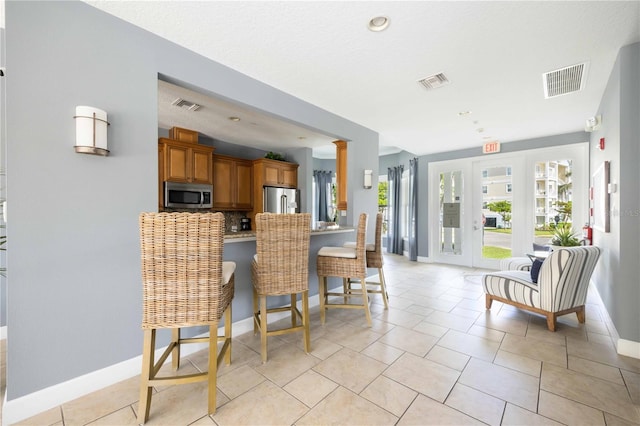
[
  {"x": 185, "y": 104},
  {"x": 565, "y": 80},
  {"x": 434, "y": 81}
]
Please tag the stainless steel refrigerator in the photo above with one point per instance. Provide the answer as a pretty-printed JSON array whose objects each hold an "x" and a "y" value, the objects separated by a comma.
[{"x": 281, "y": 200}]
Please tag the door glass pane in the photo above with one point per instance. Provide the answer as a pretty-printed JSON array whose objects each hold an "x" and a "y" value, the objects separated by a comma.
[
  {"x": 553, "y": 194},
  {"x": 497, "y": 195},
  {"x": 451, "y": 187}
]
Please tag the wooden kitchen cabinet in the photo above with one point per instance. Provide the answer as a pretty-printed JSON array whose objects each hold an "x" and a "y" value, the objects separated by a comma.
[
  {"x": 275, "y": 173},
  {"x": 187, "y": 162},
  {"x": 232, "y": 183},
  {"x": 341, "y": 175},
  {"x": 184, "y": 135},
  {"x": 267, "y": 172}
]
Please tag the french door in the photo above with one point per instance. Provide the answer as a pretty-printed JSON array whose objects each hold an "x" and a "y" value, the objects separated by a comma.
[{"x": 483, "y": 209}]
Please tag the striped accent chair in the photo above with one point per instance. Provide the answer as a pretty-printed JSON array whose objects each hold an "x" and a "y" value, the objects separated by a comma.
[{"x": 561, "y": 288}]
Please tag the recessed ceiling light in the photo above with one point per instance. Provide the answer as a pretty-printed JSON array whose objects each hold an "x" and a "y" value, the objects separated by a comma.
[
  {"x": 301, "y": 138},
  {"x": 378, "y": 23},
  {"x": 479, "y": 130},
  {"x": 461, "y": 113},
  {"x": 234, "y": 118}
]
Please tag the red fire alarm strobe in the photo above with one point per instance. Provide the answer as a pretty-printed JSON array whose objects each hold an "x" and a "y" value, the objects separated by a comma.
[{"x": 601, "y": 145}]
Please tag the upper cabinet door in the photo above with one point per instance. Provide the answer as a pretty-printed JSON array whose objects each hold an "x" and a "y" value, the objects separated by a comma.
[
  {"x": 290, "y": 176},
  {"x": 202, "y": 171},
  {"x": 244, "y": 185},
  {"x": 271, "y": 174},
  {"x": 223, "y": 170},
  {"x": 177, "y": 163},
  {"x": 232, "y": 183}
]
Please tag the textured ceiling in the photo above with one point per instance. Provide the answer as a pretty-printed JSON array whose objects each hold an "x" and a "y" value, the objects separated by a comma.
[{"x": 493, "y": 53}]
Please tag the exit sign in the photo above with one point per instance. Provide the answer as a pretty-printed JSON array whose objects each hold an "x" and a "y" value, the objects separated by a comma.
[{"x": 491, "y": 147}]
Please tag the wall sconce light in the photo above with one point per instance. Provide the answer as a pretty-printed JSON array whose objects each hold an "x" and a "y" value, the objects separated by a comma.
[
  {"x": 367, "y": 179},
  {"x": 91, "y": 131}
]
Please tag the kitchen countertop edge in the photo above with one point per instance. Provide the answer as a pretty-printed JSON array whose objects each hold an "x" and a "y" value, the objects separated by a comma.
[{"x": 238, "y": 237}]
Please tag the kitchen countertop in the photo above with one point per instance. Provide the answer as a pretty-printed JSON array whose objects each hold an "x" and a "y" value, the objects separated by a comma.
[{"x": 240, "y": 236}]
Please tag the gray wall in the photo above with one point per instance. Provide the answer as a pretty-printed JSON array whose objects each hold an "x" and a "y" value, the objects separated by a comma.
[
  {"x": 3, "y": 179},
  {"x": 617, "y": 275},
  {"x": 74, "y": 286}
]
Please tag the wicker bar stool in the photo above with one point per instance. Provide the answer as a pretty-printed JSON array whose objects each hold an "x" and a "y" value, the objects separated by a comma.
[
  {"x": 374, "y": 260},
  {"x": 281, "y": 267},
  {"x": 346, "y": 263},
  {"x": 185, "y": 283}
]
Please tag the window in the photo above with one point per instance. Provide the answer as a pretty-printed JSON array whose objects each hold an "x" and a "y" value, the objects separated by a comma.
[
  {"x": 485, "y": 173},
  {"x": 508, "y": 188},
  {"x": 508, "y": 173},
  {"x": 484, "y": 189}
]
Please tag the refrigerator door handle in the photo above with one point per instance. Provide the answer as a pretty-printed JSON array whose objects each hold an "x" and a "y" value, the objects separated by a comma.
[{"x": 283, "y": 203}]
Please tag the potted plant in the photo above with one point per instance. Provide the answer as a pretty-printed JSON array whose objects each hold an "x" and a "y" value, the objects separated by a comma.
[{"x": 564, "y": 236}]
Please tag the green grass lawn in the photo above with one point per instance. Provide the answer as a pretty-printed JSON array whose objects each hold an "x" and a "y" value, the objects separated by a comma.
[
  {"x": 508, "y": 231},
  {"x": 491, "y": 252}
]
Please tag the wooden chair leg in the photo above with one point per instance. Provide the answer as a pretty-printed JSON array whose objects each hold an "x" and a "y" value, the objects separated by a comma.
[
  {"x": 228, "y": 318},
  {"x": 263, "y": 328},
  {"x": 365, "y": 300},
  {"x": 581, "y": 315},
  {"x": 305, "y": 321},
  {"x": 212, "y": 374},
  {"x": 255, "y": 310},
  {"x": 551, "y": 321},
  {"x": 322, "y": 294},
  {"x": 148, "y": 348},
  {"x": 346, "y": 288},
  {"x": 488, "y": 301},
  {"x": 175, "y": 353},
  {"x": 294, "y": 317},
  {"x": 383, "y": 288}
]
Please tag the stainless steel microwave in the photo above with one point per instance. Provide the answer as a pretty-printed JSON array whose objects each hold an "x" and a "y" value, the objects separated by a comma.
[{"x": 188, "y": 195}]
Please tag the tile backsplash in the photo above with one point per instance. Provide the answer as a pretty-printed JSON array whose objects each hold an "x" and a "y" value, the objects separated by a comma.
[{"x": 232, "y": 219}]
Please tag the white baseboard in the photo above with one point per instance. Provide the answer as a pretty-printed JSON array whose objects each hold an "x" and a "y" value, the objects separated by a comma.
[
  {"x": 623, "y": 347},
  {"x": 628, "y": 348},
  {"x": 29, "y": 405}
]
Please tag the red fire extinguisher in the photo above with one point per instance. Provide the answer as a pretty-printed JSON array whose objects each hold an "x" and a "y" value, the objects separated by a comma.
[{"x": 587, "y": 234}]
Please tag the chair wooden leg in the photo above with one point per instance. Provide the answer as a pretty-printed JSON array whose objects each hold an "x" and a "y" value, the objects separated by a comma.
[
  {"x": 383, "y": 288},
  {"x": 148, "y": 348},
  {"x": 305, "y": 321},
  {"x": 365, "y": 300},
  {"x": 551, "y": 321},
  {"x": 255, "y": 310},
  {"x": 488, "y": 301},
  {"x": 212, "y": 375},
  {"x": 580, "y": 313},
  {"x": 228, "y": 318},
  {"x": 294, "y": 317},
  {"x": 263, "y": 328},
  {"x": 346, "y": 288},
  {"x": 322, "y": 294},
  {"x": 175, "y": 353}
]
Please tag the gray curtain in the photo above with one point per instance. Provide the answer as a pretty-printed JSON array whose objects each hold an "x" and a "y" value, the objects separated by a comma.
[
  {"x": 394, "y": 236},
  {"x": 323, "y": 183},
  {"x": 413, "y": 209}
]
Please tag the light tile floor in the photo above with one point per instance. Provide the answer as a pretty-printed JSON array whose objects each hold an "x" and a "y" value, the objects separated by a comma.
[{"x": 435, "y": 357}]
